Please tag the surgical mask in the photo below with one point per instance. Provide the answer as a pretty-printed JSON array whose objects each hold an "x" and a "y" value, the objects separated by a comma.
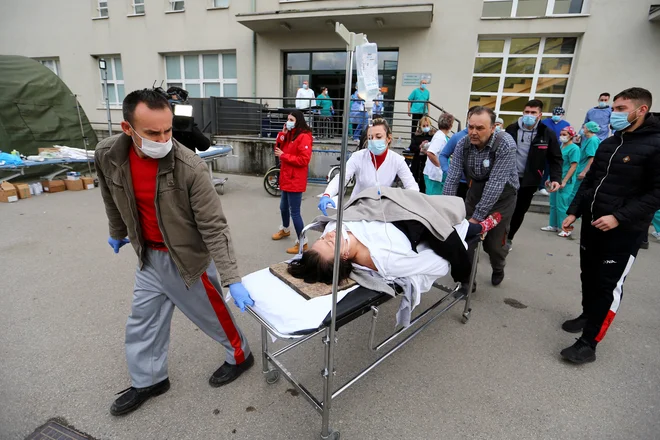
[
  {"x": 529, "y": 120},
  {"x": 581, "y": 132},
  {"x": 377, "y": 146},
  {"x": 426, "y": 129},
  {"x": 602, "y": 104},
  {"x": 564, "y": 139},
  {"x": 290, "y": 125},
  {"x": 153, "y": 149},
  {"x": 305, "y": 86},
  {"x": 619, "y": 120},
  {"x": 423, "y": 86},
  {"x": 498, "y": 129},
  {"x": 556, "y": 118}
]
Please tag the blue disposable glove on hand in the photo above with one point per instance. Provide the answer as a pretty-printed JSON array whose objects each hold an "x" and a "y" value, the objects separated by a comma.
[
  {"x": 323, "y": 204},
  {"x": 116, "y": 244},
  {"x": 240, "y": 295}
]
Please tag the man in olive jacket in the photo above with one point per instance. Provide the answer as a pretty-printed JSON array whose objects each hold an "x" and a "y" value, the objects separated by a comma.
[{"x": 159, "y": 194}]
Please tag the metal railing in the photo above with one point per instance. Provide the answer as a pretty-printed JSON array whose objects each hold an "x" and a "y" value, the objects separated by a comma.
[{"x": 264, "y": 117}]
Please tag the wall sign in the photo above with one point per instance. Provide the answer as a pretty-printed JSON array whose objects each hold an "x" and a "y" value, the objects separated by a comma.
[{"x": 413, "y": 79}]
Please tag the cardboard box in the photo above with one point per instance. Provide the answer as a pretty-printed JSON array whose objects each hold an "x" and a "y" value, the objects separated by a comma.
[
  {"x": 88, "y": 182},
  {"x": 53, "y": 186},
  {"x": 23, "y": 190},
  {"x": 48, "y": 150},
  {"x": 74, "y": 185},
  {"x": 8, "y": 193}
]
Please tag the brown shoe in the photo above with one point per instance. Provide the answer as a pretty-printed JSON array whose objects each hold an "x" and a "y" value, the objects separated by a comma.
[
  {"x": 282, "y": 233},
  {"x": 295, "y": 249}
]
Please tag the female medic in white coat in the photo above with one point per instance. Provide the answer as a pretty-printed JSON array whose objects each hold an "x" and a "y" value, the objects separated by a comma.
[{"x": 373, "y": 166}]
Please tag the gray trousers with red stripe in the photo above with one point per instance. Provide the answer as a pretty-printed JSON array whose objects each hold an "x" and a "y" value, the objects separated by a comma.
[
  {"x": 158, "y": 289},
  {"x": 605, "y": 261}
]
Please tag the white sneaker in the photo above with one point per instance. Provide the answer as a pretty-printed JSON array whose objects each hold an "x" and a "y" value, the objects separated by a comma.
[
  {"x": 656, "y": 235},
  {"x": 544, "y": 192},
  {"x": 565, "y": 233},
  {"x": 550, "y": 229}
]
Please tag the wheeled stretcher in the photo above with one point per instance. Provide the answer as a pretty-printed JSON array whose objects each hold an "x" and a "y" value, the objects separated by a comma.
[{"x": 351, "y": 305}]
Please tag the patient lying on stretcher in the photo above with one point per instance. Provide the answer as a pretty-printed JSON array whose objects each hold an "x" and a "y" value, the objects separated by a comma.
[{"x": 393, "y": 249}]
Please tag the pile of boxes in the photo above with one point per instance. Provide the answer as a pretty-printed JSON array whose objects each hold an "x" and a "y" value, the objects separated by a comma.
[{"x": 12, "y": 192}]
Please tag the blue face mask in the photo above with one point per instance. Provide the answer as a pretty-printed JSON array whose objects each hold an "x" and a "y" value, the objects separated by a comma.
[
  {"x": 426, "y": 129},
  {"x": 529, "y": 120},
  {"x": 498, "y": 129},
  {"x": 619, "y": 120},
  {"x": 423, "y": 86},
  {"x": 377, "y": 146},
  {"x": 556, "y": 118},
  {"x": 602, "y": 104},
  {"x": 290, "y": 125},
  {"x": 581, "y": 132}
]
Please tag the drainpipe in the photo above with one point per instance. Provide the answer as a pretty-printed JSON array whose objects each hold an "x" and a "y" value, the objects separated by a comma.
[{"x": 254, "y": 54}]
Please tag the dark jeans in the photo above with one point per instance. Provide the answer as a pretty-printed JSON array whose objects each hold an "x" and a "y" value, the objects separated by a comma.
[
  {"x": 290, "y": 206},
  {"x": 523, "y": 202},
  {"x": 605, "y": 260},
  {"x": 415, "y": 120},
  {"x": 462, "y": 190}
]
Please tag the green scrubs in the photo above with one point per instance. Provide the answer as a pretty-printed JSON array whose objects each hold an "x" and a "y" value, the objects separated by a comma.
[
  {"x": 588, "y": 150},
  {"x": 561, "y": 200}
]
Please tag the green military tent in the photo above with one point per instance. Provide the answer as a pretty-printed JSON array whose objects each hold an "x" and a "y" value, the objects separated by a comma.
[{"x": 37, "y": 109}]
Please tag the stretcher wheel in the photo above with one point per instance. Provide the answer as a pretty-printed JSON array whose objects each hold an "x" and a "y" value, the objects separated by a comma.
[
  {"x": 466, "y": 317},
  {"x": 220, "y": 189},
  {"x": 333, "y": 435},
  {"x": 272, "y": 377}
]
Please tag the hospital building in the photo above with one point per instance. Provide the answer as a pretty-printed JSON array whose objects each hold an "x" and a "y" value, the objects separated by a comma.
[{"x": 498, "y": 53}]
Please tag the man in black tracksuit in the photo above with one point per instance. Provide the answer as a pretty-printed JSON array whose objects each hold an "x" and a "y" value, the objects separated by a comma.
[
  {"x": 536, "y": 144},
  {"x": 617, "y": 200}
]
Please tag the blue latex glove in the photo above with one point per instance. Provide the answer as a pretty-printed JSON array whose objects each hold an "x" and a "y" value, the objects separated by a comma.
[
  {"x": 323, "y": 204},
  {"x": 116, "y": 244},
  {"x": 241, "y": 296}
]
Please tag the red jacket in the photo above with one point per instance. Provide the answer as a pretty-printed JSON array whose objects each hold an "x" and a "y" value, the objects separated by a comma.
[{"x": 294, "y": 160}]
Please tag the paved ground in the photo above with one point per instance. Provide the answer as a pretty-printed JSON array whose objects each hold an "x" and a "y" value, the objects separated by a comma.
[{"x": 65, "y": 297}]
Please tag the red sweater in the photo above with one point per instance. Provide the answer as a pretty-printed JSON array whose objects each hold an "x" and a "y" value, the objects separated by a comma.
[{"x": 143, "y": 174}]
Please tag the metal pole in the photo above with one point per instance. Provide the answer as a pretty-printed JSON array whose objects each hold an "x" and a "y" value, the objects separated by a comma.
[
  {"x": 107, "y": 101},
  {"x": 82, "y": 133},
  {"x": 328, "y": 373}
]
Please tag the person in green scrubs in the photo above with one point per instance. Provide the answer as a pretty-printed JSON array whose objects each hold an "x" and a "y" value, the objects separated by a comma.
[
  {"x": 327, "y": 110},
  {"x": 418, "y": 109},
  {"x": 590, "y": 143},
  {"x": 561, "y": 200}
]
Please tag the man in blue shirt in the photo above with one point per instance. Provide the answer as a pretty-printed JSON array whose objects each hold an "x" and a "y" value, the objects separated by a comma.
[
  {"x": 557, "y": 122},
  {"x": 418, "y": 109},
  {"x": 601, "y": 116},
  {"x": 447, "y": 152}
]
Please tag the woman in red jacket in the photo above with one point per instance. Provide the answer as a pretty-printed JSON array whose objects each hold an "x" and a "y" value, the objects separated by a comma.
[{"x": 294, "y": 149}]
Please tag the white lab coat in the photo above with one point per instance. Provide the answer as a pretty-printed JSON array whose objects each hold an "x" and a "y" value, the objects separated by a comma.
[
  {"x": 436, "y": 146},
  {"x": 306, "y": 95},
  {"x": 362, "y": 166}
]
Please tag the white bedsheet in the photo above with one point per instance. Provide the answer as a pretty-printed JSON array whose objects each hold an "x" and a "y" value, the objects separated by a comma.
[{"x": 282, "y": 307}]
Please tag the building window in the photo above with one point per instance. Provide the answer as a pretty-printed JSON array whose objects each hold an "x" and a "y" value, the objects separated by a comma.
[
  {"x": 102, "y": 9},
  {"x": 531, "y": 8},
  {"x": 115, "y": 75},
  {"x": 52, "y": 63},
  {"x": 138, "y": 7},
  {"x": 203, "y": 75},
  {"x": 220, "y": 3},
  {"x": 509, "y": 72},
  {"x": 177, "y": 5}
]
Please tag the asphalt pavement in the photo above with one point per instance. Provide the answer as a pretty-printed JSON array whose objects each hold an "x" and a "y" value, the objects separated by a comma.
[{"x": 65, "y": 296}]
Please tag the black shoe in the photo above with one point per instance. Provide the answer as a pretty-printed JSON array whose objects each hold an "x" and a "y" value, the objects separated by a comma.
[
  {"x": 131, "y": 398},
  {"x": 575, "y": 325},
  {"x": 227, "y": 373},
  {"x": 463, "y": 290},
  {"x": 645, "y": 244},
  {"x": 579, "y": 353},
  {"x": 497, "y": 278}
]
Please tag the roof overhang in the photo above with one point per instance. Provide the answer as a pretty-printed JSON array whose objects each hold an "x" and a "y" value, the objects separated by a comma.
[
  {"x": 654, "y": 13},
  {"x": 357, "y": 19}
]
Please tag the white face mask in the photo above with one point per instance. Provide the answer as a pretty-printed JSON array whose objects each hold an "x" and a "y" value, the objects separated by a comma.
[
  {"x": 153, "y": 149},
  {"x": 564, "y": 139}
]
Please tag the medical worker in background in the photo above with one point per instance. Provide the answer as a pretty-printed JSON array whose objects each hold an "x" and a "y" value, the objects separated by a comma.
[
  {"x": 374, "y": 166},
  {"x": 418, "y": 109},
  {"x": 601, "y": 116},
  {"x": 433, "y": 175},
  {"x": 590, "y": 143}
]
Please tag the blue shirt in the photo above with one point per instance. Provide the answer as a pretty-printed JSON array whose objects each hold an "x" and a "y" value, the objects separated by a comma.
[
  {"x": 446, "y": 152},
  {"x": 600, "y": 116},
  {"x": 556, "y": 126},
  {"x": 419, "y": 95}
]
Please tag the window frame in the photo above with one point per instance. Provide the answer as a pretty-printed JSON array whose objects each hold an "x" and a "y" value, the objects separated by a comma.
[
  {"x": 212, "y": 5},
  {"x": 135, "y": 4},
  {"x": 183, "y": 81},
  {"x": 505, "y": 55},
  {"x": 99, "y": 8},
  {"x": 549, "y": 10},
  {"x": 110, "y": 63},
  {"x": 56, "y": 64},
  {"x": 172, "y": 4}
]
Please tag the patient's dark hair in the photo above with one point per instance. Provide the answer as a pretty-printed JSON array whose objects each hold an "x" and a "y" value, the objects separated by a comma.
[{"x": 312, "y": 268}]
